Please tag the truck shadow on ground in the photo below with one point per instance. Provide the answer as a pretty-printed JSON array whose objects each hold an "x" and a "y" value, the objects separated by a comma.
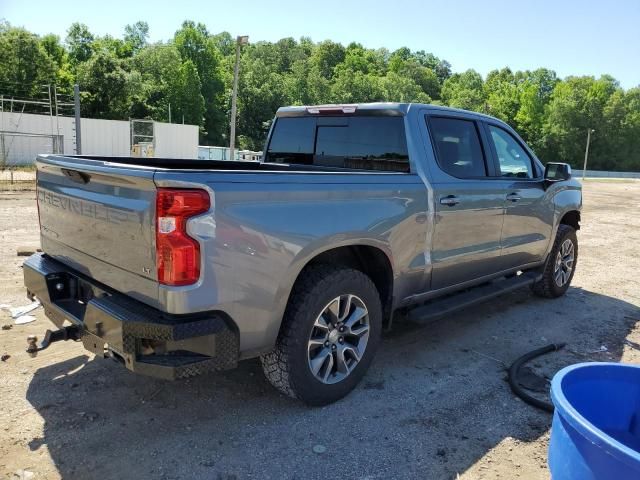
[{"x": 434, "y": 402}]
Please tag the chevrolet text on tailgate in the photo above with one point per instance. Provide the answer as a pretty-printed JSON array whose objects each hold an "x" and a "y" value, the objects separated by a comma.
[{"x": 356, "y": 212}]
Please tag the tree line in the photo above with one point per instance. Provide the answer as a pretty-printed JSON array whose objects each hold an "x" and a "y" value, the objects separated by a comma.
[{"x": 188, "y": 79}]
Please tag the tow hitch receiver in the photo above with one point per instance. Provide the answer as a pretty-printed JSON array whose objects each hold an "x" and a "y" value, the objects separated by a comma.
[{"x": 66, "y": 333}]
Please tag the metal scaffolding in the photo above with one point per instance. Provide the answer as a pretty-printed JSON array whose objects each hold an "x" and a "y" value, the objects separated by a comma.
[{"x": 19, "y": 99}]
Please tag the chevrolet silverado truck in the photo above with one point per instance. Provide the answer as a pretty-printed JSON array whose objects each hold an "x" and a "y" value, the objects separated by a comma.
[{"x": 355, "y": 212}]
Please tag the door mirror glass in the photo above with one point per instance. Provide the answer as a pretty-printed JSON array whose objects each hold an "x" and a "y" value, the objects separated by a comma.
[{"x": 556, "y": 172}]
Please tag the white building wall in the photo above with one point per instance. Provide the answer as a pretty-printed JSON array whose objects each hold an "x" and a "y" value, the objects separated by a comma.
[
  {"x": 99, "y": 137},
  {"x": 105, "y": 137},
  {"x": 174, "y": 140}
]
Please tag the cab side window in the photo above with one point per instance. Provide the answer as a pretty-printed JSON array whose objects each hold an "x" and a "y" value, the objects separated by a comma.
[
  {"x": 457, "y": 147},
  {"x": 513, "y": 160}
]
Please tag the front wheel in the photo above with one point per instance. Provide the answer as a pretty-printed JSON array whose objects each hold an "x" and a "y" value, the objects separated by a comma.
[
  {"x": 329, "y": 335},
  {"x": 561, "y": 264}
]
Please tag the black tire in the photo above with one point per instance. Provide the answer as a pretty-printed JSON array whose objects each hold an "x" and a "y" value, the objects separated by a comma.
[
  {"x": 287, "y": 366},
  {"x": 547, "y": 286}
]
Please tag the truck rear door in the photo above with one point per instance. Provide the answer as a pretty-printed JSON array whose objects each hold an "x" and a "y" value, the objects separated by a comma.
[
  {"x": 469, "y": 205},
  {"x": 99, "y": 218}
]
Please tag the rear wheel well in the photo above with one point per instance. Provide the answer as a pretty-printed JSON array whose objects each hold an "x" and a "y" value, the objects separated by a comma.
[
  {"x": 572, "y": 219},
  {"x": 371, "y": 261}
]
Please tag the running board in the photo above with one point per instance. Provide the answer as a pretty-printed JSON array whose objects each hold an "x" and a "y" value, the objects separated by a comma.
[{"x": 457, "y": 301}]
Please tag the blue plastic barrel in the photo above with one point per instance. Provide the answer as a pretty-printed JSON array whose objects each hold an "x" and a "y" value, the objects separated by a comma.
[{"x": 596, "y": 423}]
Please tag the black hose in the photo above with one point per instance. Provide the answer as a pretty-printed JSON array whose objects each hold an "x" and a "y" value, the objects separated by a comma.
[{"x": 515, "y": 368}]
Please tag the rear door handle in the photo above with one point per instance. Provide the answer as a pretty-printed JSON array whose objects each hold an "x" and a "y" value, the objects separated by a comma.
[
  {"x": 513, "y": 197},
  {"x": 449, "y": 200}
]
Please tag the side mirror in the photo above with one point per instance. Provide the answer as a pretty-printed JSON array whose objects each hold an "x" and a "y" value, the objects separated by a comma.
[{"x": 556, "y": 172}]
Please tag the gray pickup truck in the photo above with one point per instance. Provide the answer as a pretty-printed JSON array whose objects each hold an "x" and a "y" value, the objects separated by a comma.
[{"x": 356, "y": 212}]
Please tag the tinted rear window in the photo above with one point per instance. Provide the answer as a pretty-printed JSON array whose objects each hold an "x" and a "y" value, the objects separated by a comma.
[
  {"x": 458, "y": 148},
  {"x": 366, "y": 143}
]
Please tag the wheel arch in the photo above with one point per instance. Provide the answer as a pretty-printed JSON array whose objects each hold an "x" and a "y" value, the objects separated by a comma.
[
  {"x": 571, "y": 218},
  {"x": 369, "y": 259}
]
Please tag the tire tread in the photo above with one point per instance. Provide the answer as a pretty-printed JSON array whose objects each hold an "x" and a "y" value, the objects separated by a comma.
[
  {"x": 277, "y": 364},
  {"x": 545, "y": 287}
]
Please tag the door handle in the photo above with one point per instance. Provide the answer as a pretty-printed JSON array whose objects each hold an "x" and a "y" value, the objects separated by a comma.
[
  {"x": 449, "y": 200},
  {"x": 513, "y": 197}
]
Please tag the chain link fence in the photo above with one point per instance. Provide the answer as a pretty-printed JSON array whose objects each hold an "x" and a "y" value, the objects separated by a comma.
[{"x": 18, "y": 153}]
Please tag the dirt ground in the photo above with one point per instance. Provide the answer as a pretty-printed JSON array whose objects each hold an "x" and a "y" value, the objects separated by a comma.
[{"x": 434, "y": 405}]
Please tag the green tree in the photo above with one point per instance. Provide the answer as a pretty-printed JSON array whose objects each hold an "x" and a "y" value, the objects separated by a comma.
[
  {"x": 51, "y": 44},
  {"x": 326, "y": 56},
  {"x": 64, "y": 77},
  {"x": 187, "y": 103},
  {"x": 103, "y": 81},
  {"x": 154, "y": 68},
  {"x": 464, "y": 90},
  {"x": 410, "y": 66},
  {"x": 79, "y": 40},
  {"x": 535, "y": 93},
  {"x": 630, "y": 133},
  {"x": 225, "y": 43},
  {"x": 442, "y": 68},
  {"x": 503, "y": 95},
  {"x": 261, "y": 92},
  {"x": 127, "y": 77},
  {"x": 577, "y": 104},
  {"x": 136, "y": 36},
  {"x": 114, "y": 46},
  {"x": 24, "y": 62},
  {"x": 362, "y": 60},
  {"x": 194, "y": 44},
  {"x": 398, "y": 88},
  {"x": 304, "y": 85}
]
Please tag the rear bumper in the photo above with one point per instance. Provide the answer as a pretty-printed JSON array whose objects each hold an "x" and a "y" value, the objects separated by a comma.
[{"x": 146, "y": 340}]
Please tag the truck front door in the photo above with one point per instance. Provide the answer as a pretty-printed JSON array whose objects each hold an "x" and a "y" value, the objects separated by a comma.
[{"x": 528, "y": 220}]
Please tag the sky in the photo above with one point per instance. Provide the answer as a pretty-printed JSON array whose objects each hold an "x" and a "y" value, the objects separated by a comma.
[{"x": 572, "y": 37}]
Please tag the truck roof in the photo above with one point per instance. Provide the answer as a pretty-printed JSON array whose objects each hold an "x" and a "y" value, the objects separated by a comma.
[{"x": 388, "y": 108}]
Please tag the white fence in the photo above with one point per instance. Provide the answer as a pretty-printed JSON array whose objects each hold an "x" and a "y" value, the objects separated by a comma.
[
  {"x": 24, "y": 136},
  {"x": 599, "y": 174},
  {"x": 206, "y": 152}
]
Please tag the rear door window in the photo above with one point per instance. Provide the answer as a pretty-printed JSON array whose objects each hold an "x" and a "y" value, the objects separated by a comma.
[
  {"x": 362, "y": 143},
  {"x": 458, "y": 149}
]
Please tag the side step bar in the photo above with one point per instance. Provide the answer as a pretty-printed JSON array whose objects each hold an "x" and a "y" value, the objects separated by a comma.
[{"x": 457, "y": 301}]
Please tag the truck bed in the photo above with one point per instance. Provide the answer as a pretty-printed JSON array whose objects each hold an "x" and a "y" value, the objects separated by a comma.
[
  {"x": 218, "y": 165},
  {"x": 98, "y": 216}
]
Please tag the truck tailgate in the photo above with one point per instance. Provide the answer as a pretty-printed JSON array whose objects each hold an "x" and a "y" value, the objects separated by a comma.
[{"x": 99, "y": 218}]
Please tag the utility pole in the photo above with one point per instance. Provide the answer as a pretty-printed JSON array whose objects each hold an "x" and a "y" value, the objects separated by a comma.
[
  {"x": 240, "y": 40},
  {"x": 586, "y": 152},
  {"x": 50, "y": 109},
  {"x": 169, "y": 113},
  {"x": 76, "y": 99},
  {"x": 3, "y": 157},
  {"x": 57, "y": 142}
]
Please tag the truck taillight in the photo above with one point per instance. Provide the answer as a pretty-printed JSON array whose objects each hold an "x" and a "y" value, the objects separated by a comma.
[{"x": 177, "y": 254}]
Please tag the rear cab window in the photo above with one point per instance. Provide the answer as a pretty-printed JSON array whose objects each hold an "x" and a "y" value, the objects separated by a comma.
[{"x": 353, "y": 142}]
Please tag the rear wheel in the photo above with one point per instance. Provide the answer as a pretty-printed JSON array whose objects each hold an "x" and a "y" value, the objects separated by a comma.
[
  {"x": 561, "y": 264},
  {"x": 330, "y": 332}
]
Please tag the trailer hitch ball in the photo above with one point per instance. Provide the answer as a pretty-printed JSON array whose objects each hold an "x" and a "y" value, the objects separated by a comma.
[{"x": 32, "y": 347}]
